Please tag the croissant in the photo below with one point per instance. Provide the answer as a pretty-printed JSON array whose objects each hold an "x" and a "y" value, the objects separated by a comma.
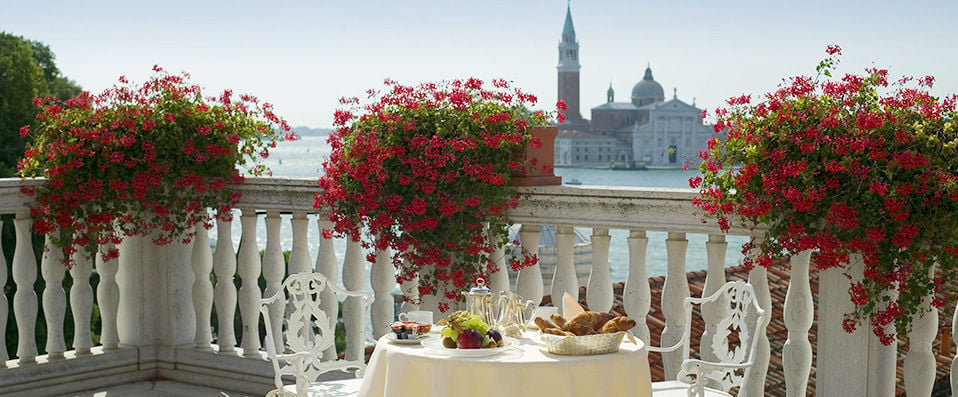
[
  {"x": 556, "y": 331},
  {"x": 588, "y": 320},
  {"x": 620, "y": 323},
  {"x": 585, "y": 323},
  {"x": 544, "y": 324},
  {"x": 558, "y": 320}
]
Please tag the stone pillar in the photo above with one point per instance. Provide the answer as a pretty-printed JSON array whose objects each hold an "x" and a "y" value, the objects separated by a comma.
[{"x": 156, "y": 299}]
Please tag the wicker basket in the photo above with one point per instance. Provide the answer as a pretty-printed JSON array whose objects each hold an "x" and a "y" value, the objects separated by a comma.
[{"x": 583, "y": 345}]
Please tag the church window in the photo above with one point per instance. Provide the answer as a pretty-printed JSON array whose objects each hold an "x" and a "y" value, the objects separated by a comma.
[{"x": 577, "y": 157}]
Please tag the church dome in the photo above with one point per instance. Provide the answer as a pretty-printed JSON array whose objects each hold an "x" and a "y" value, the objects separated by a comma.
[{"x": 647, "y": 90}]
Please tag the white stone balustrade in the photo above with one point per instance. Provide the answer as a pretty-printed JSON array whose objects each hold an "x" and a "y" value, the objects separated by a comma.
[
  {"x": 156, "y": 318},
  {"x": 54, "y": 299}
]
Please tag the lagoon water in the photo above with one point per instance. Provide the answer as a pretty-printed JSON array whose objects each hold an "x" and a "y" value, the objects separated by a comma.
[{"x": 304, "y": 158}]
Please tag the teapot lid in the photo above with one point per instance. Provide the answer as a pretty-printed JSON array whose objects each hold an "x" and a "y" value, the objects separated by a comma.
[{"x": 480, "y": 288}]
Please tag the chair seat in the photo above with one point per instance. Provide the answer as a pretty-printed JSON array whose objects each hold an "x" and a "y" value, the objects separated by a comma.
[
  {"x": 330, "y": 388},
  {"x": 674, "y": 388}
]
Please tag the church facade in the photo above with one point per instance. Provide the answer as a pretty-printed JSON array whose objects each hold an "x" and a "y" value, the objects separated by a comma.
[{"x": 646, "y": 131}]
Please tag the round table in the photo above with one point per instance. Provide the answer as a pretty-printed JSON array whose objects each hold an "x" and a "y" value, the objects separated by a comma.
[{"x": 524, "y": 369}]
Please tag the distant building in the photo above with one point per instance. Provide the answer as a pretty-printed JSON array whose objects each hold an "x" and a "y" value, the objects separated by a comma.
[{"x": 647, "y": 130}]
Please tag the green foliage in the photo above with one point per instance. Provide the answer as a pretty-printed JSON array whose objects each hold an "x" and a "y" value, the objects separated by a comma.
[{"x": 27, "y": 70}]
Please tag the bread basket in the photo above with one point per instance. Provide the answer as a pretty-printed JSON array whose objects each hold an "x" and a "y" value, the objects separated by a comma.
[{"x": 583, "y": 345}]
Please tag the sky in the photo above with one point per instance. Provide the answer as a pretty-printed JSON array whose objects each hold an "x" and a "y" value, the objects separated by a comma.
[{"x": 302, "y": 56}]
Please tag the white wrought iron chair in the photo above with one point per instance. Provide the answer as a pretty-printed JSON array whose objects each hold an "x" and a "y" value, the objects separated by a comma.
[
  {"x": 307, "y": 333},
  {"x": 700, "y": 378}
]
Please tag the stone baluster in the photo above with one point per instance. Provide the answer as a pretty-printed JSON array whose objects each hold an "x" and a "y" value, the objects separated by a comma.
[
  {"x": 529, "y": 280},
  {"x": 410, "y": 293},
  {"x": 4, "y": 304},
  {"x": 882, "y": 360},
  {"x": 637, "y": 296},
  {"x": 108, "y": 298},
  {"x": 674, "y": 292},
  {"x": 54, "y": 298},
  {"x": 274, "y": 269},
  {"x": 919, "y": 364},
  {"x": 430, "y": 302},
  {"x": 354, "y": 277},
  {"x": 224, "y": 294},
  {"x": 327, "y": 265},
  {"x": 202, "y": 261},
  {"x": 755, "y": 382},
  {"x": 498, "y": 281},
  {"x": 713, "y": 312},
  {"x": 299, "y": 254},
  {"x": 599, "y": 295},
  {"x": 798, "y": 313},
  {"x": 25, "y": 299},
  {"x": 836, "y": 348},
  {"x": 382, "y": 278},
  {"x": 248, "y": 268},
  {"x": 81, "y": 301},
  {"x": 564, "y": 280}
]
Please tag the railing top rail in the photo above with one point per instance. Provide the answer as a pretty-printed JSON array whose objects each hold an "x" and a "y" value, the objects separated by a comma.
[
  {"x": 616, "y": 207},
  {"x": 11, "y": 199}
]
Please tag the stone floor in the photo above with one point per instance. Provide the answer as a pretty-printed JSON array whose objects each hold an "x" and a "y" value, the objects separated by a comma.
[{"x": 156, "y": 388}]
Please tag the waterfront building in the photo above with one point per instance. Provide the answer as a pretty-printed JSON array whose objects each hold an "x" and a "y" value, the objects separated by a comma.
[{"x": 646, "y": 131}]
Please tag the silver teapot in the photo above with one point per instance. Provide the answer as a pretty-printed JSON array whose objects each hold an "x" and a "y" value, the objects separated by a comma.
[{"x": 479, "y": 302}]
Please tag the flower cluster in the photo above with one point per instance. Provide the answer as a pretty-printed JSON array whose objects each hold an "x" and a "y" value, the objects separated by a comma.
[
  {"x": 425, "y": 170},
  {"x": 141, "y": 160},
  {"x": 860, "y": 164}
]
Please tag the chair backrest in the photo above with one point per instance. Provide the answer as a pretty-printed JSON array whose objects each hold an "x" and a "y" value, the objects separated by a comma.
[
  {"x": 307, "y": 330},
  {"x": 734, "y": 342}
]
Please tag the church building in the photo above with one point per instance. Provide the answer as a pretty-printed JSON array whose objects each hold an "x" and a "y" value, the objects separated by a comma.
[{"x": 646, "y": 131}]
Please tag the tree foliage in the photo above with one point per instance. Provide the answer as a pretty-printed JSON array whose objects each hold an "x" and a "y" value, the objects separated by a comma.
[{"x": 27, "y": 70}]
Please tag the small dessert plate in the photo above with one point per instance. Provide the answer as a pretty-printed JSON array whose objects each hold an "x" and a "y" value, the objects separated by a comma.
[{"x": 392, "y": 338}]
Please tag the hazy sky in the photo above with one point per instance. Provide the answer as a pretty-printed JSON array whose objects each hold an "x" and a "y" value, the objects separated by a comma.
[{"x": 303, "y": 55}]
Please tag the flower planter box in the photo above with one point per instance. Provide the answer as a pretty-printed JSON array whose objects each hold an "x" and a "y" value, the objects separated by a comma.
[{"x": 545, "y": 158}]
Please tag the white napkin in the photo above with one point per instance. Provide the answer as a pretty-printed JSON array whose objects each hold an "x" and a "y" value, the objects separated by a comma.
[{"x": 570, "y": 306}]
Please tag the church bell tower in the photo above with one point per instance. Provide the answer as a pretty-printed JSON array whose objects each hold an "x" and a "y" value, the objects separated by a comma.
[{"x": 568, "y": 69}]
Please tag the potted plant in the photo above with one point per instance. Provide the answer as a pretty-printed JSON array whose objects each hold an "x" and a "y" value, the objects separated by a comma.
[
  {"x": 135, "y": 160},
  {"x": 425, "y": 170},
  {"x": 861, "y": 164}
]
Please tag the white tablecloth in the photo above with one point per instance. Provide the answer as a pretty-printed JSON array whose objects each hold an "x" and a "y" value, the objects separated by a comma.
[{"x": 525, "y": 369}]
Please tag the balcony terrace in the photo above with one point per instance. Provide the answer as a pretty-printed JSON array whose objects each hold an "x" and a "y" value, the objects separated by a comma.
[{"x": 168, "y": 312}]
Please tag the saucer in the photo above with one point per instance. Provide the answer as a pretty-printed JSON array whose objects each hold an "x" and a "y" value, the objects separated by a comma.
[{"x": 392, "y": 338}]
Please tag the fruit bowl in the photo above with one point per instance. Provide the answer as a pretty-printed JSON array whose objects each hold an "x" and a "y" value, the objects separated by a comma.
[{"x": 435, "y": 345}]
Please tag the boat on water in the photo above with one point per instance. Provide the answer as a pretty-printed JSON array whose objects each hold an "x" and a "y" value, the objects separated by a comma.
[{"x": 573, "y": 181}]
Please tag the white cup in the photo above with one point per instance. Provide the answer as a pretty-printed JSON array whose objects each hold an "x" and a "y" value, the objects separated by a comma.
[
  {"x": 419, "y": 316},
  {"x": 545, "y": 312}
]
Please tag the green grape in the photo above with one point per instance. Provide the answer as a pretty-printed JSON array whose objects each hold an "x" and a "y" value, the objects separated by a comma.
[{"x": 448, "y": 332}]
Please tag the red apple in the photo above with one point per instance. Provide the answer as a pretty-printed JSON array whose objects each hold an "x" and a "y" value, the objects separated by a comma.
[{"x": 469, "y": 339}]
